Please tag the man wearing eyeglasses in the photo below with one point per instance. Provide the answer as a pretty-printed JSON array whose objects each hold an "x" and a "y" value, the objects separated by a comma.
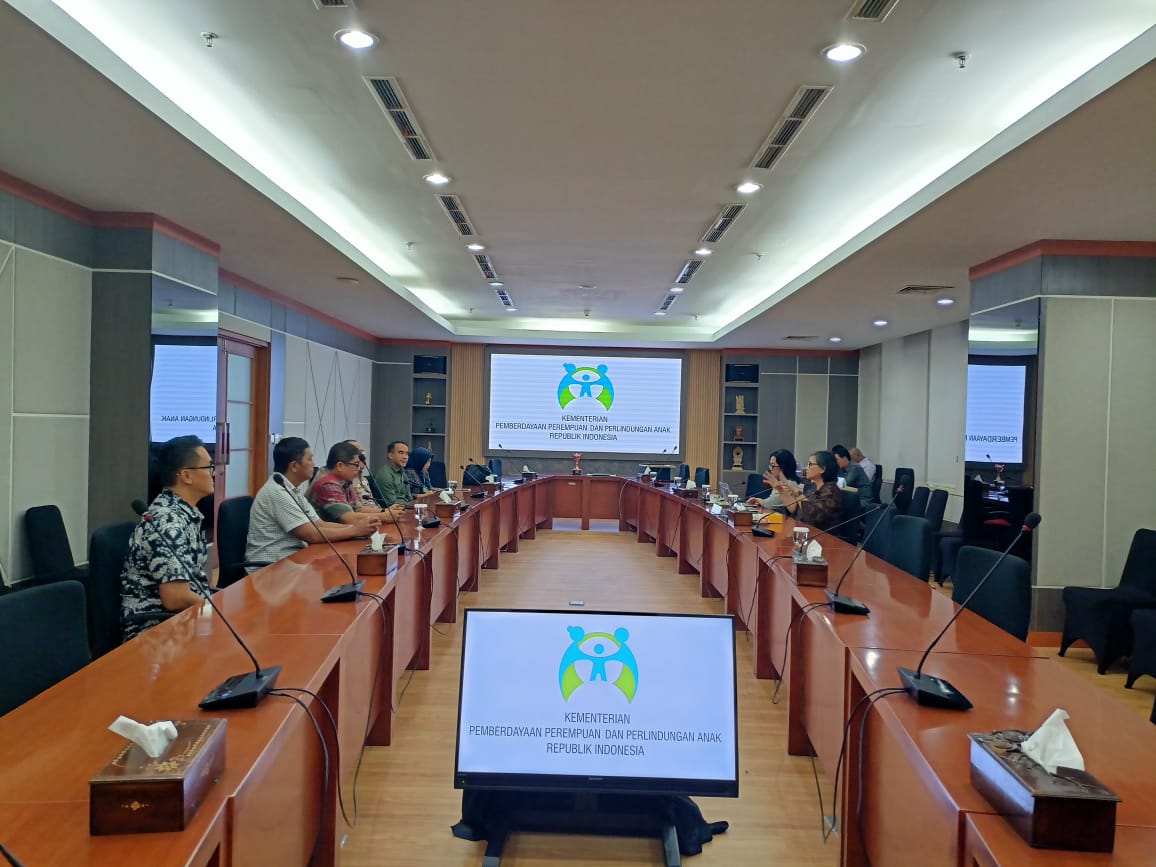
[
  {"x": 333, "y": 495},
  {"x": 168, "y": 545}
]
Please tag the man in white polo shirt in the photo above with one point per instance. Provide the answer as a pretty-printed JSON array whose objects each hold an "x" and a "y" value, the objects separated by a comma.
[{"x": 279, "y": 522}]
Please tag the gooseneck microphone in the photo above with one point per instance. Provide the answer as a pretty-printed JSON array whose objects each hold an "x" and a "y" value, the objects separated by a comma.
[
  {"x": 933, "y": 691},
  {"x": 239, "y": 690},
  {"x": 346, "y": 592},
  {"x": 845, "y": 604},
  {"x": 140, "y": 507}
]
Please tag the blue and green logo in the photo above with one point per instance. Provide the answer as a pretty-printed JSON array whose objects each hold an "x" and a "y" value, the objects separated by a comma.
[
  {"x": 585, "y": 382},
  {"x": 598, "y": 649}
]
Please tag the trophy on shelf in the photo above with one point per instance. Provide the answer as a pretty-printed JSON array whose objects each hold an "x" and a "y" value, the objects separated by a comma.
[
  {"x": 738, "y": 433},
  {"x": 740, "y": 405},
  {"x": 577, "y": 471},
  {"x": 737, "y": 458},
  {"x": 428, "y": 398}
]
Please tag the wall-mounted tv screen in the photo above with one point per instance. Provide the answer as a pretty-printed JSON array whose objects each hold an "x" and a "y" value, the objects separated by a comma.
[
  {"x": 598, "y": 701},
  {"x": 183, "y": 396},
  {"x": 996, "y": 398},
  {"x": 629, "y": 405}
]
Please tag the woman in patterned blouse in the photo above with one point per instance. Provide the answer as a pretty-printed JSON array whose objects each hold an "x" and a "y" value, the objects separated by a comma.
[{"x": 820, "y": 503}]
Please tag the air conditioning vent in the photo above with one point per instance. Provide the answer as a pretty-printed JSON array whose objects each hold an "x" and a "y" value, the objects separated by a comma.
[
  {"x": 457, "y": 215},
  {"x": 486, "y": 266},
  {"x": 392, "y": 101},
  {"x": 917, "y": 289},
  {"x": 688, "y": 271},
  {"x": 504, "y": 297},
  {"x": 801, "y": 337},
  {"x": 806, "y": 101},
  {"x": 871, "y": 10},
  {"x": 722, "y": 222},
  {"x": 333, "y": 4},
  {"x": 667, "y": 302}
]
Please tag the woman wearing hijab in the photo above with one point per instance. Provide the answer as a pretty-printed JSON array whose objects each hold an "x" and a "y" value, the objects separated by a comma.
[{"x": 417, "y": 471}]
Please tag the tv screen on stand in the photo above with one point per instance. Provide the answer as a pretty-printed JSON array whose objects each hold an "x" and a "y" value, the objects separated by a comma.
[{"x": 598, "y": 702}]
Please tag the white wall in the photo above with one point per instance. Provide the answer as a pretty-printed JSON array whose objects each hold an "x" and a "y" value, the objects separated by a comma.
[
  {"x": 45, "y": 325},
  {"x": 328, "y": 395},
  {"x": 912, "y": 400}
]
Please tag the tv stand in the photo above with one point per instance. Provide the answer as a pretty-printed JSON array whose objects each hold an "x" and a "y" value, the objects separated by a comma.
[{"x": 493, "y": 815}]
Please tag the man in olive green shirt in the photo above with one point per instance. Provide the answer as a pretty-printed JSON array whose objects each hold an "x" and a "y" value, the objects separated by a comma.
[{"x": 391, "y": 477}]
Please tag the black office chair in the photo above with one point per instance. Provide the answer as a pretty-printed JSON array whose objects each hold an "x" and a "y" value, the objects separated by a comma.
[
  {"x": 903, "y": 498},
  {"x": 106, "y": 553},
  {"x": 495, "y": 465},
  {"x": 1001, "y": 528},
  {"x": 936, "y": 506},
  {"x": 756, "y": 487},
  {"x": 877, "y": 484},
  {"x": 232, "y": 536},
  {"x": 1006, "y": 598},
  {"x": 909, "y": 547},
  {"x": 1102, "y": 617},
  {"x": 43, "y": 639},
  {"x": 684, "y": 471},
  {"x": 878, "y": 538},
  {"x": 852, "y": 508},
  {"x": 918, "y": 505},
  {"x": 969, "y": 532},
  {"x": 701, "y": 476},
  {"x": 437, "y": 474},
  {"x": 1143, "y": 646},
  {"x": 48, "y": 546}
]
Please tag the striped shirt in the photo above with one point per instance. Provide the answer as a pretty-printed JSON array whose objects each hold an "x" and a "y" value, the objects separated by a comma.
[{"x": 275, "y": 515}]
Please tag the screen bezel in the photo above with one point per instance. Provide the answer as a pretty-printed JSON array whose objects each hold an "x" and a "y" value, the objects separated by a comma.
[
  {"x": 592, "y": 783},
  {"x": 638, "y": 457}
]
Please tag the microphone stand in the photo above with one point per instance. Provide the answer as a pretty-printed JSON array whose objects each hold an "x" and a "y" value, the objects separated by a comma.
[
  {"x": 933, "y": 691},
  {"x": 239, "y": 690},
  {"x": 845, "y": 604},
  {"x": 346, "y": 592}
]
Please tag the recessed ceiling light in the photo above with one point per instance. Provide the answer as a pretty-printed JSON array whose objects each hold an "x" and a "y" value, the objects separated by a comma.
[
  {"x": 355, "y": 39},
  {"x": 748, "y": 187},
  {"x": 944, "y": 302},
  {"x": 587, "y": 286},
  {"x": 676, "y": 290},
  {"x": 659, "y": 312},
  {"x": 843, "y": 52},
  {"x": 477, "y": 248},
  {"x": 437, "y": 179},
  {"x": 511, "y": 309},
  {"x": 497, "y": 284},
  {"x": 880, "y": 323},
  {"x": 835, "y": 339},
  {"x": 703, "y": 251}
]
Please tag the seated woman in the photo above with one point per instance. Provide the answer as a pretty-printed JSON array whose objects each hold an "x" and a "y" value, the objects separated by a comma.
[
  {"x": 417, "y": 471},
  {"x": 782, "y": 467},
  {"x": 820, "y": 503}
]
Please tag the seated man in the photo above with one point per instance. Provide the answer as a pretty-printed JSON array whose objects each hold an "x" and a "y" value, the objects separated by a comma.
[
  {"x": 365, "y": 489},
  {"x": 864, "y": 463},
  {"x": 391, "y": 477},
  {"x": 279, "y": 522},
  {"x": 332, "y": 493},
  {"x": 853, "y": 475},
  {"x": 168, "y": 545}
]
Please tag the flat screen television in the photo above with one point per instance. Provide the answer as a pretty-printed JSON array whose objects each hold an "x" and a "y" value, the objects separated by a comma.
[
  {"x": 996, "y": 411},
  {"x": 599, "y": 702}
]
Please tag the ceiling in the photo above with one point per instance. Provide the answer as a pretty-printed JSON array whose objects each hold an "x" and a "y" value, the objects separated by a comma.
[{"x": 593, "y": 145}]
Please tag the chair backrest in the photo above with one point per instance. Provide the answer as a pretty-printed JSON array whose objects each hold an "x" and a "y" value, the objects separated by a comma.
[
  {"x": 43, "y": 639},
  {"x": 852, "y": 506},
  {"x": 918, "y": 505},
  {"x": 903, "y": 499},
  {"x": 936, "y": 506},
  {"x": 495, "y": 465},
  {"x": 877, "y": 483},
  {"x": 48, "y": 546},
  {"x": 437, "y": 474},
  {"x": 684, "y": 471},
  {"x": 1140, "y": 567},
  {"x": 701, "y": 476},
  {"x": 878, "y": 539},
  {"x": 756, "y": 487},
  {"x": 106, "y": 552},
  {"x": 232, "y": 533},
  {"x": 971, "y": 519},
  {"x": 1019, "y": 503},
  {"x": 1006, "y": 598},
  {"x": 909, "y": 548}
]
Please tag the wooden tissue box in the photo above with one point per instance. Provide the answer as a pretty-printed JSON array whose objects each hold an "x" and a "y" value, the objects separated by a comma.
[
  {"x": 491, "y": 488},
  {"x": 1068, "y": 810},
  {"x": 138, "y": 795},
  {"x": 744, "y": 518},
  {"x": 383, "y": 562},
  {"x": 445, "y": 511},
  {"x": 809, "y": 573}
]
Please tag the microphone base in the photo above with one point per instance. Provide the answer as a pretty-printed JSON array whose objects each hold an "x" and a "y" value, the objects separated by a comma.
[
  {"x": 242, "y": 690},
  {"x": 847, "y": 605},
  {"x": 344, "y": 593},
  {"x": 763, "y": 532},
  {"x": 932, "y": 691}
]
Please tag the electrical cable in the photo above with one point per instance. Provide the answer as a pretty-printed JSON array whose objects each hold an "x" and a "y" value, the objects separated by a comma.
[
  {"x": 9, "y": 857},
  {"x": 859, "y": 771},
  {"x": 336, "y": 740},
  {"x": 755, "y": 595},
  {"x": 325, "y": 761},
  {"x": 380, "y": 600},
  {"x": 787, "y": 643}
]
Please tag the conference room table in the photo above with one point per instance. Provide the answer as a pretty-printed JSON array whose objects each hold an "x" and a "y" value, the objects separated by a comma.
[{"x": 274, "y": 801}]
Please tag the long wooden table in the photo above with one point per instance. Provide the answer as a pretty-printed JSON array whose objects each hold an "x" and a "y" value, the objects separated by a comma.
[{"x": 267, "y": 807}]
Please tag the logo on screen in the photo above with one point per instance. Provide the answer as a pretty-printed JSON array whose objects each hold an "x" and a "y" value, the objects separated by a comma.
[
  {"x": 589, "y": 382},
  {"x": 594, "y": 656}
]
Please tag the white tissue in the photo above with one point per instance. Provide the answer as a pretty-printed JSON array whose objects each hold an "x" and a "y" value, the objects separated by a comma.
[
  {"x": 646, "y": 471},
  {"x": 154, "y": 739},
  {"x": 814, "y": 551},
  {"x": 1052, "y": 745},
  {"x": 716, "y": 509},
  {"x": 491, "y": 479},
  {"x": 446, "y": 497},
  {"x": 740, "y": 507},
  {"x": 376, "y": 541},
  {"x": 526, "y": 469},
  {"x": 690, "y": 485}
]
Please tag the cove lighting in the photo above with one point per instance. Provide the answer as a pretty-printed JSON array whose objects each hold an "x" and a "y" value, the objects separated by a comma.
[
  {"x": 355, "y": 39},
  {"x": 843, "y": 52}
]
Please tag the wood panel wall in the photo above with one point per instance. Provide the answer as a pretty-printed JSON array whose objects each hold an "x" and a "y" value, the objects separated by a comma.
[
  {"x": 467, "y": 399},
  {"x": 704, "y": 371}
]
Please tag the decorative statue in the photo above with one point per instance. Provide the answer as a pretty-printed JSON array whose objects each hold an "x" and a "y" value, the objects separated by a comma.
[
  {"x": 737, "y": 458},
  {"x": 577, "y": 471},
  {"x": 428, "y": 398},
  {"x": 738, "y": 433},
  {"x": 740, "y": 405}
]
